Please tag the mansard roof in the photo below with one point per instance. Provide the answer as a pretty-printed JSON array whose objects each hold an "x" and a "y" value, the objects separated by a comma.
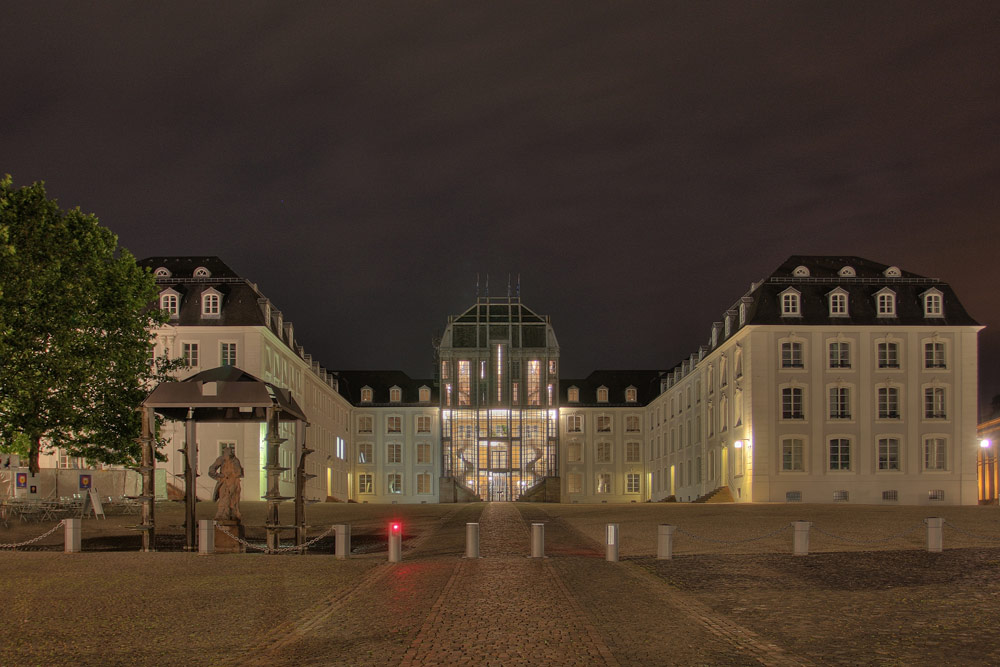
[
  {"x": 183, "y": 267},
  {"x": 646, "y": 383},
  {"x": 380, "y": 382}
]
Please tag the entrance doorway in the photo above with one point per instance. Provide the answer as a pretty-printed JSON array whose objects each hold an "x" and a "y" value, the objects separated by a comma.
[{"x": 499, "y": 487}]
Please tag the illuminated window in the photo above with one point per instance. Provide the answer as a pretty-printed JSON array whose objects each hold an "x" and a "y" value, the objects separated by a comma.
[
  {"x": 364, "y": 424},
  {"x": 424, "y": 394},
  {"x": 840, "y": 403},
  {"x": 604, "y": 424},
  {"x": 888, "y": 355},
  {"x": 791, "y": 403},
  {"x": 424, "y": 483},
  {"x": 514, "y": 392},
  {"x": 552, "y": 367},
  {"x": 365, "y": 483},
  {"x": 393, "y": 453},
  {"x": 423, "y": 424},
  {"x": 603, "y": 452},
  {"x": 395, "y": 395},
  {"x": 633, "y": 452},
  {"x": 790, "y": 306},
  {"x": 791, "y": 455},
  {"x": 423, "y": 453},
  {"x": 934, "y": 407},
  {"x": 190, "y": 351},
  {"x": 573, "y": 395},
  {"x": 534, "y": 382},
  {"x": 934, "y": 355},
  {"x": 840, "y": 454},
  {"x": 888, "y": 402},
  {"x": 574, "y": 452},
  {"x": 791, "y": 355},
  {"x": 366, "y": 453},
  {"x": 933, "y": 304},
  {"x": 631, "y": 395},
  {"x": 575, "y": 483},
  {"x": 366, "y": 394},
  {"x": 550, "y": 391},
  {"x": 395, "y": 482},
  {"x": 228, "y": 354},
  {"x": 444, "y": 370},
  {"x": 632, "y": 482},
  {"x": 169, "y": 302},
  {"x": 604, "y": 482},
  {"x": 464, "y": 382},
  {"x": 574, "y": 424},
  {"x": 447, "y": 394},
  {"x": 840, "y": 354},
  {"x": 394, "y": 425},
  {"x": 885, "y": 300},
  {"x": 888, "y": 453},
  {"x": 935, "y": 454},
  {"x": 632, "y": 424},
  {"x": 602, "y": 394}
]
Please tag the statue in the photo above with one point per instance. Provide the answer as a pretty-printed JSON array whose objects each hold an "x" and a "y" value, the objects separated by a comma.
[{"x": 227, "y": 472}]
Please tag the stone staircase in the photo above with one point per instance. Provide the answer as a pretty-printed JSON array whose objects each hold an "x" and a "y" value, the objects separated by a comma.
[{"x": 719, "y": 495}]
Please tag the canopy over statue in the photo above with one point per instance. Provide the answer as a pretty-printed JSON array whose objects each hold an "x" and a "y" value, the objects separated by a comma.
[{"x": 227, "y": 472}]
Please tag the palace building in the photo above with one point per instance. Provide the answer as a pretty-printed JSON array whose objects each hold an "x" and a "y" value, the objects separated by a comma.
[{"x": 834, "y": 379}]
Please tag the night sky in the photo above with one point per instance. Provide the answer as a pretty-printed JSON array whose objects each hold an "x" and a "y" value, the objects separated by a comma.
[{"x": 638, "y": 164}]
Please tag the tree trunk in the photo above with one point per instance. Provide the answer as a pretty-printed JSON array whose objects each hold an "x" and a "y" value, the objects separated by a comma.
[{"x": 36, "y": 448}]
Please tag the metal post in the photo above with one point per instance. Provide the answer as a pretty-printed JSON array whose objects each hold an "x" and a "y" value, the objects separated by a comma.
[
  {"x": 148, "y": 471},
  {"x": 301, "y": 476},
  {"x": 935, "y": 541},
  {"x": 190, "y": 481},
  {"x": 538, "y": 540},
  {"x": 274, "y": 470},
  {"x": 665, "y": 541},
  {"x": 472, "y": 540},
  {"x": 71, "y": 536},
  {"x": 343, "y": 540},
  {"x": 800, "y": 540},
  {"x": 611, "y": 543},
  {"x": 206, "y": 537},
  {"x": 395, "y": 542}
]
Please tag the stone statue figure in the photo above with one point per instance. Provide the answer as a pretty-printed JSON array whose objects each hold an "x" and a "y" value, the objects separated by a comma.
[{"x": 227, "y": 472}]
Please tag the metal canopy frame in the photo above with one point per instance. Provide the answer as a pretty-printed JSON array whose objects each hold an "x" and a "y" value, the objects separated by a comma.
[{"x": 223, "y": 394}]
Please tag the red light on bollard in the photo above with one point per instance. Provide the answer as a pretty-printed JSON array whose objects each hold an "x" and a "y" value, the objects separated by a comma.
[{"x": 396, "y": 528}]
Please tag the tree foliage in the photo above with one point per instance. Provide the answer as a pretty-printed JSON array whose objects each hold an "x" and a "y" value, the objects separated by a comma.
[{"x": 75, "y": 332}]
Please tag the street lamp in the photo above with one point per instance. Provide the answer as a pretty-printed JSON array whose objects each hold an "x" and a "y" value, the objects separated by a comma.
[{"x": 989, "y": 475}]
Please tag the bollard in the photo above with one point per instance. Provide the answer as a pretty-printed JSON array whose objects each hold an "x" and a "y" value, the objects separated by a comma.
[
  {"x": 800, "y": 542},
  {"x": 342, "y": 540},
  {"x": 395, "y": 542},
  {"x": 665, "y": 541},
  {"x": 472, "y": 540},
  {"x": 611, "y": 543},
  {"x": 206, "y": 537},
  {"x": 71, "y": 536},
  {"x": 935, "y": 541},
  {"x": 538, "y": 540}
]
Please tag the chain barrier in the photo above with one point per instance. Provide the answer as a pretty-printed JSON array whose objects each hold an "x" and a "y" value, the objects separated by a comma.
[
  {"x": 975, "y": 535},
  {"x": 265, "y": 549},
  {"x": 878, "y": 540},
  {"x": 36, "y": 539},
  {"x": 749, "y": 539}
]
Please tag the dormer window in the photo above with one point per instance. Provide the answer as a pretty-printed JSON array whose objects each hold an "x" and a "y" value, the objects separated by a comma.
[
  {"x": 395, "y": 395},
  {"x": 838, "y": 302},
  {"x": 885, "y": 303},
  {"x": 366, "y": 394},
  {"x": 801, "y": 272},
  {"x": 170, "y": 301},
  {"x": 715, "y": 336},
  {"x": 573, "y": 394},
  {"x": 211, "y": 303},
  {"x": 743, "y": 314},
  {"x": 790, "y": 303},
  {"x": 162, "y": 272},
  {"x": 728, "y": 326},
  {"x": 933, "y": 303},
  {"x": 202, "y": 272},
  {"x": 847, "y": 272},
  {"x": 892, "y": 272},
  {"x": 631, "y": 395},
  {"x": 425, "y": 394},
  {"x": 602, "y": 394}
]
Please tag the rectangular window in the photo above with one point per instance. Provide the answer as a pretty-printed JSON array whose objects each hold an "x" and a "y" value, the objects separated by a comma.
[
  {"x": 840, "y": 354},
  {"x": 604, "y": 482},
  {"x": 444, "y": 370},
  {"x": 423, "y": 483},
  {"x": 228, "y": 354},
  {"x": 791, "y": 403},
  {"x": 888, "y": 453},
  {"x": 534, "y": 382},
  {"x": 934, "y": 355},
  {"x": 888, "y": 403},
  {"x": 190, "y": 351},
  {"x": 603, "y": 452},
  {"x": 365, "y": 483},
  {"x": 423, "y": 453},
  {"x": 935, "y": 454},
  {"x": 838, "y": 305},
  {"x": 840, "y": 454},
  {"x": 574, "y": 452},
  {"x": 464, "y": 382},
  {"x": 791, "y": 355},
  {"x": 632, "y": 482},
  {"x": 364, "y": 424},
  {"x": 574, "y": 424},
  {"x": 552, "y": 367},
  {"x": 365, "y": 453},
  {"x": 394, "y": 453},
  {"x": 603, "y": 424},
  {"x": 394, "y": 425},
  {"x": 789, "y": 304},
  {"x": 934, "y": 403},
  {"x": 933, "y": 306},
  {"x": 791, "y": 455},
  {"x": 632, "y": 452},
  {"x": 840, "y": 403},
  {"x": 887, "y": 305},
  {"x": 423, "y": 424},
  {"x": 888, "y": 355},
  {"x": 395, "y": 482},
  {"x": 575, "y": 483}
]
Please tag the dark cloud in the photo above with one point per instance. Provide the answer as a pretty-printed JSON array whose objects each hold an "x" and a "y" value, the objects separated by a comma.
[{"x": 638, "y": 165}]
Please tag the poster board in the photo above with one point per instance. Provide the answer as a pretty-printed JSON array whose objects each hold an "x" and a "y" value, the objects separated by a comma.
[{"x": 92, "y": 501}]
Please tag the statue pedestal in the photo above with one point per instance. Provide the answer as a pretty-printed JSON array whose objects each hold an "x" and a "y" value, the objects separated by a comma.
[{"x": 225, "y": 544}]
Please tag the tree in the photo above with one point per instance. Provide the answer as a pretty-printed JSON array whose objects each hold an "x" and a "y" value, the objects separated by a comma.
[{"x": 75, "y": 332}]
